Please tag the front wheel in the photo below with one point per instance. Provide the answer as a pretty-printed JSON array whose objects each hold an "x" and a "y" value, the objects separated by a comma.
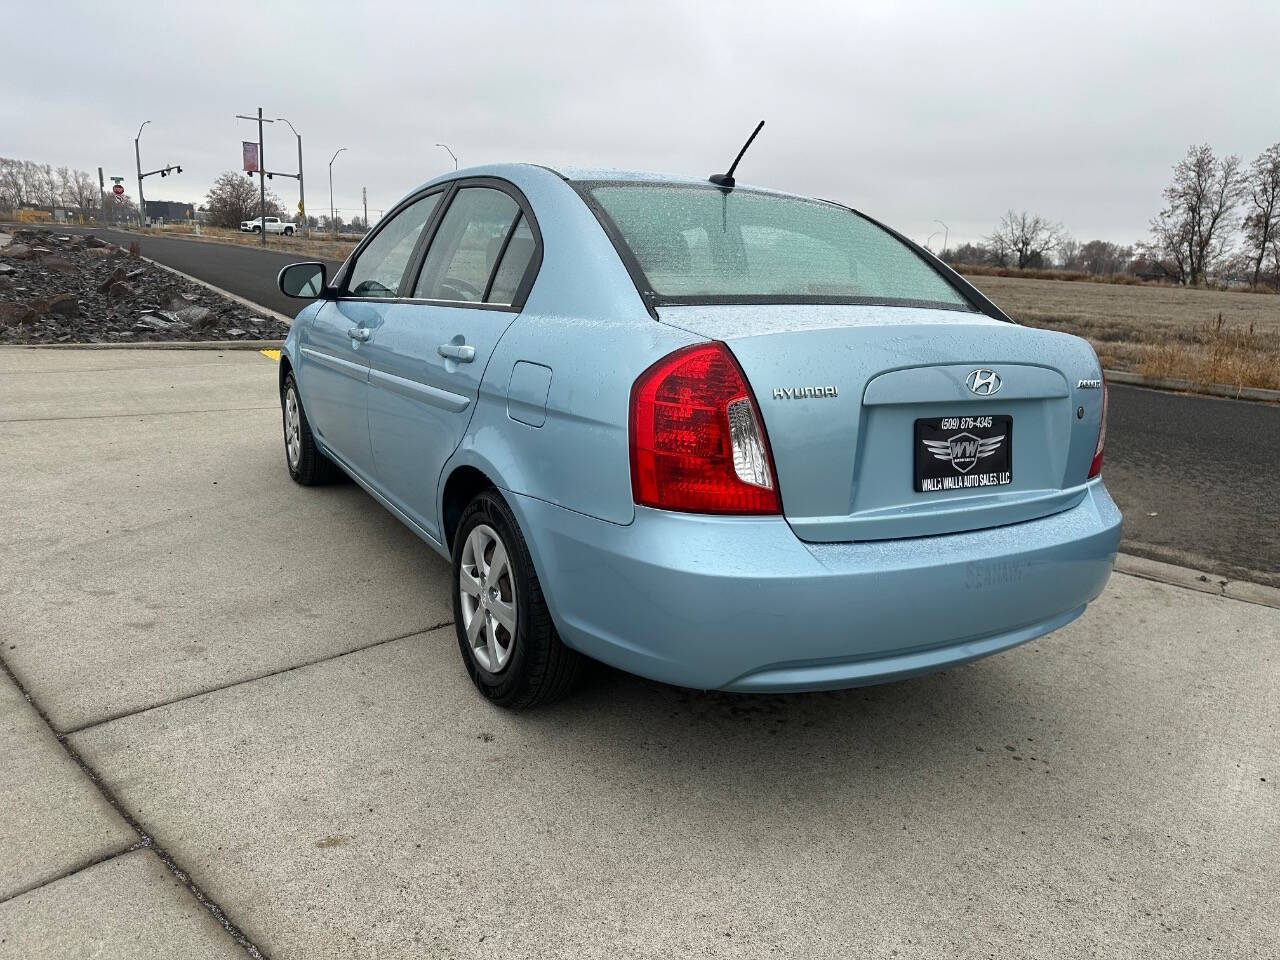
[
  {"x": 307, "y": 465},
  {"x": 509, "y": 644},
  {"x": 257, "y": 229}
]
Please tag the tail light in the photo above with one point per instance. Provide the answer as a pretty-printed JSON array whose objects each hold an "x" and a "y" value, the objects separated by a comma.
[
  {"x": 1095, "y": 468},
  {"x": 697, "y": 441}
]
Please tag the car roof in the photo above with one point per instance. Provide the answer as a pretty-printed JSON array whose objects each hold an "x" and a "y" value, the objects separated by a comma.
[
  {"x": 513, "y": 171},
  {"x": 646, "y": 176}
]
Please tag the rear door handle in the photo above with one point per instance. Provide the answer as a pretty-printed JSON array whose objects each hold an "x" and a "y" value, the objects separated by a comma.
[
  {"x": 462, "y": 352},
  {"x": 360, "y": 333}
]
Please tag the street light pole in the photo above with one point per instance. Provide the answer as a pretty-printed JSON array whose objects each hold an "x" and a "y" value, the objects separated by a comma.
[
  {"x": 946, "y": 233},
  {"x": 451, "y": 153},
  {"x": 262, "y": 182},
  {"x": 262, "y": 176},
  {"x": 137, "y": 156},
  {"x": 331, "y": 159},
  {"x": 302, "y": 199}
]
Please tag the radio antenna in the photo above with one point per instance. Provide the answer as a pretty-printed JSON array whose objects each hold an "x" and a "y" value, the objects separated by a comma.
[{"x": 725, "y": 181}]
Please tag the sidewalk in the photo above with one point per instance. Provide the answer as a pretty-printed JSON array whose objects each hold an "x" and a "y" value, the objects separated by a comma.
[{"x": 248, "y": 732}]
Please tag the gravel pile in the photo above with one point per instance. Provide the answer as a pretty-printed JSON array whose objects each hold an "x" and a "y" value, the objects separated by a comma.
[{"x": 56, "y": 288}]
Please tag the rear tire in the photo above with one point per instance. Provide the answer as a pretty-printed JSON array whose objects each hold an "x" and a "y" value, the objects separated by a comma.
[
  {"x": 533, "y": 666},
  {"x": 307, "y": 465},
  {"x": 288, "y": 232}
]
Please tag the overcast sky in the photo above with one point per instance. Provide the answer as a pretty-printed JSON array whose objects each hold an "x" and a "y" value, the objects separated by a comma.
[{"x": 910, "y": 113}]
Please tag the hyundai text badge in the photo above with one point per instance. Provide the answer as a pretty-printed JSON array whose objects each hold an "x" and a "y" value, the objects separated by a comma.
[
  {"x": 804, "y": 393},
  {"x": 983, "y": 382}
]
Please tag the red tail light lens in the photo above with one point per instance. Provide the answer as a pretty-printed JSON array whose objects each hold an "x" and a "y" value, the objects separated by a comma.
[
  {"x": 697, "y": 441},
  {"x": 1095, "y": 468}
]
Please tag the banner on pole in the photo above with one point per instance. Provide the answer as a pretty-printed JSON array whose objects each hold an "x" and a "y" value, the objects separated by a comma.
[{"x": 250, "y": 156}]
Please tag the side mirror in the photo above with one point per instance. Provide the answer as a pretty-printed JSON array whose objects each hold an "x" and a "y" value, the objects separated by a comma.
[{"x": 304, "y": 281}]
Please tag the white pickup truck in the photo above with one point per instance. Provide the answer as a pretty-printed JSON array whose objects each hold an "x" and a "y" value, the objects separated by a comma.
[{"x": 270, "y": 224}]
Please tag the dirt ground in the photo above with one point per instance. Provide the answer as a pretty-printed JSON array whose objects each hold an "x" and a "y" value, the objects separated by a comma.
[{"x": 1160, "y": 331}]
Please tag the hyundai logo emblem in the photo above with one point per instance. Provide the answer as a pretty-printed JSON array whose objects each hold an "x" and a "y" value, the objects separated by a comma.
[{"x": 983, "y": 382}]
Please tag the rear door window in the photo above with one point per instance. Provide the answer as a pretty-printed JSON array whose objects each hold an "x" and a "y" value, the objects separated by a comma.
[
  {"x": 513, "y": 265},
  {"x": 471, "y": 238}
]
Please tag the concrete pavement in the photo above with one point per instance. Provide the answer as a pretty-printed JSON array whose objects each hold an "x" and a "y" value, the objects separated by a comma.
[
  {"x": 164, "y": 544},
  {"x": 264, "y": 680},
  {"x": 131, "y": 906},
  {"x": 53, "y": 820}
]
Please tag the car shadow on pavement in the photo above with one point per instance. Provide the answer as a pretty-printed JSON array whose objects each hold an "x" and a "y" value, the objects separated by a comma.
[{"x": 885, "y": 739}]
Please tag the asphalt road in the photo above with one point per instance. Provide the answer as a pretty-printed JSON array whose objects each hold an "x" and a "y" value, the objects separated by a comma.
[
  {"x": 243, "y": 270},
  {"x": 1198, "y": 480},
  {"x": 1195, "y": 476}
]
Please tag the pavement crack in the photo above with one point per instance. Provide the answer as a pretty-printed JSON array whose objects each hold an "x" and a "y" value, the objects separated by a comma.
[
  {"x": 139, "y": 844},
  {"x": 145, "y": 839},
  {"x": 254, "y": 679}
]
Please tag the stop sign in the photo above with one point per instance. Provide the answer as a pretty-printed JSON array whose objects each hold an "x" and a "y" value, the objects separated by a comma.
[{"x": 118, "y": 189}]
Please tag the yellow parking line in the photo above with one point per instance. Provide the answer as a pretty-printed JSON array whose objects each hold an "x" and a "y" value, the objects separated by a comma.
[{"x": 270, "y": 354}]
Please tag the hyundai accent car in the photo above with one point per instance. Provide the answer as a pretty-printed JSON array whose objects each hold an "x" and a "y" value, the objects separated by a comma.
[{"x": 718, "y": 436}]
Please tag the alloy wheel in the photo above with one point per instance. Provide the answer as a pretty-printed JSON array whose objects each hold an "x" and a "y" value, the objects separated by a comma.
[
  {"x": 488, "y": 592},
  {"x": 292, "y": 428}
]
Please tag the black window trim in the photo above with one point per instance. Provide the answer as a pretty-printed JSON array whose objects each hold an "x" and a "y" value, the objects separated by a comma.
[
  {"x": 502, "y": 252},
  {"x": 977, "y": 303},
  {"x": 409, "y": 279},
  {"x": 343, "y": 278}
]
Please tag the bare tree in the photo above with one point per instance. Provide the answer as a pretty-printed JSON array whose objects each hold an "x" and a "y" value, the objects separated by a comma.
[
  {"x": 1192, "y": 232},
  {"x": 81, "y": 191},
  {"x": 10, "y": 183},
  {"x": 19, "y": 182},
  {"x": 46, "y": 185},
  {"x": 233, "y": 199},
  {"x": 23, "y": 183},
  {"x": 1262, "y": 224},
  {"x": 63, "y": 186},
  {"x": 1025, "y": 238},
  {"x": 1100, "y": 257}
]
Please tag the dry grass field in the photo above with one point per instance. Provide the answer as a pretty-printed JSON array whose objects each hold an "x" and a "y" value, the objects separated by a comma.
[{"x": 1206, "y": 336}]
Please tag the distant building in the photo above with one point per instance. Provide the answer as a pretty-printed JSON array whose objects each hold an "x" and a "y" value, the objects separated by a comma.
[{"x": 169, "y": 211}]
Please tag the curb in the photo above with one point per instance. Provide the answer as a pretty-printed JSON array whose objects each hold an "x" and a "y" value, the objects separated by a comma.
[
  {"x": 1191, "y": 579},
  {"x": 158, "y": 345},
  {"x": 1259, "y": 394}
]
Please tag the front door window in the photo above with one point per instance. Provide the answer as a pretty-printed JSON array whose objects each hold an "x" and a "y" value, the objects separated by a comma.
[{"x": 380, "y": 266}]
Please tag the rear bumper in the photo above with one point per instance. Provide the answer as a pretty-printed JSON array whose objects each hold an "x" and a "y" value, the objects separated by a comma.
[{"x": 743, "y": 604}]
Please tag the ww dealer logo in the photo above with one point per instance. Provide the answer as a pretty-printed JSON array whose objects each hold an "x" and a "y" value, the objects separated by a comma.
[{"x": 964, "y": 450}]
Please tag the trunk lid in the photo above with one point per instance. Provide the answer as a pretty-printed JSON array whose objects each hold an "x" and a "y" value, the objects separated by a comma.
[{"x": 840, "y": 389}]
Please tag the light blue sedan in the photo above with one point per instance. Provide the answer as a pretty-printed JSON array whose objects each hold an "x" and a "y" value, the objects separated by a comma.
[{"x": 716, "y": 435}]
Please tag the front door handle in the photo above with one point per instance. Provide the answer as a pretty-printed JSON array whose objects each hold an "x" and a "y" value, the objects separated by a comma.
[
  {"x": 360, "y": 333},
  {"x": 462, "y": 352}
]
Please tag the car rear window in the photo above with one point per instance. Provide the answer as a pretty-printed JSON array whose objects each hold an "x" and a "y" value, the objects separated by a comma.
[{"x": 698, "y": 244}]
